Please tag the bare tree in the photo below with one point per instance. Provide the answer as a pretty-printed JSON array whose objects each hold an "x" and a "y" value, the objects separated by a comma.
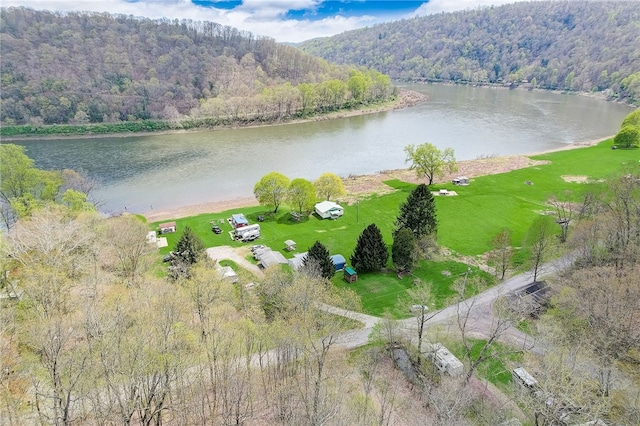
[
  {"x": 539, "y": 241},
  {"x": 126, "y": 238},
  {"x": 606, "y": 303},
  {"x": 566, "y": 211},
  {"x": 492, "y": 329},
  {"x": 418, "y": 302},
  {"x": 502, "y": 252},
  {"x": 564, "y": 392},
  {"x": 451, "y": 400}
]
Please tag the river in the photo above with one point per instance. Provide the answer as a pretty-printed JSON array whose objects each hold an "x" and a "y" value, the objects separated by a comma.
[{"x": 166, "y": 171}]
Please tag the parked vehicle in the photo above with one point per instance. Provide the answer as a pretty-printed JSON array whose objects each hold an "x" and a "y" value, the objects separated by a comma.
[
  {"x": 168, "y": 257},
  {"x": 240, "y": 232},
  {"x": 216, "y": 229},
  {"x": 250, "y": 236}
]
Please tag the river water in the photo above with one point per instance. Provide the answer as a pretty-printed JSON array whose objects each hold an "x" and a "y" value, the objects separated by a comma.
[{"x": 149, "y": 172}]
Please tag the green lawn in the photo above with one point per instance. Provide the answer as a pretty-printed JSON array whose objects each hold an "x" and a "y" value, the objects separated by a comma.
[
  {"x": 469, "y": 221},
  {"x": 495, "y": 370},
  {"x": 339, "y": 236},
  {"x": 466, "y": 223},
  {"x": 382, "y": 293}
]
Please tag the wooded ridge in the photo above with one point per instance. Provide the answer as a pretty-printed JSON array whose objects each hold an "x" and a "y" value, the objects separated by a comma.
[
  {"x": 83, "y": 67},
  {"x": 589, "y": 46}
]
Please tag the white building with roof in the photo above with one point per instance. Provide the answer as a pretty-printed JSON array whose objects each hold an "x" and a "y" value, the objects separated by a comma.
[{"x": 329, "y": 210}]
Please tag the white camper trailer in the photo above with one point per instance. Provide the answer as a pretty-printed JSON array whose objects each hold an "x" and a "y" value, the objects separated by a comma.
[{"x": 240, "y": 232}]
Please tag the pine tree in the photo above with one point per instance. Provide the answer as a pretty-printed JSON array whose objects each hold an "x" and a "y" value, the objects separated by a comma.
[
  {"x": 189, "y": 247},
  {"x": 418, "y": 213},
  {"x": 318, "y": 261},
  {"x": 371, "y": 253},
  {"x": 403, "y": 250}
]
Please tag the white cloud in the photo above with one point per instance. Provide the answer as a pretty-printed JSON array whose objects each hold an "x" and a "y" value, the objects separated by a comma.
[
  {"x": 437, "y": 6},
  {"x": 261, "y": 17}
]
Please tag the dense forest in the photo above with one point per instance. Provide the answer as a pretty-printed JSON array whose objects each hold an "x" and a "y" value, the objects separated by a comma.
[
  {"x": 98, "y": 68},
  {"x": 561, "y": 45}
]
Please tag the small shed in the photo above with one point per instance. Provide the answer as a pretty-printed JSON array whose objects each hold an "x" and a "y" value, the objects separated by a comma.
[
  {"x": 460, "y": 180},
  {"x": 329, "y": 209},
  {"x": 227, "y": 273},
  {"x": 290, "y": 245},
  {"x": 350, "y": 275},
  {"x": 339, "y": 262},
  {"x": 270, "y": 257},
  {"x": 167, "y": 228},
  {"x": 238, "y": 220},
  {"x": 297, "y": 261}
]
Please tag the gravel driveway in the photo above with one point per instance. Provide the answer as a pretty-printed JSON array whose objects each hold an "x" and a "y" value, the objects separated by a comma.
[{"x": 238, "y": 255}]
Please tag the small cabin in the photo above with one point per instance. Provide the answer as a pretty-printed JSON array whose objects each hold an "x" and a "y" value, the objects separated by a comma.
[
  {"x": 461, "y": 180},
  {"x": 167, "y": 228},
  {"x": 350, "y": 275},
  {"x": 329, "y": 210}
]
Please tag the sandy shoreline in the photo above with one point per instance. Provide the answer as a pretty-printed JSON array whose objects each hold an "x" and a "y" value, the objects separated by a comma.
[{"x": 369, "y": 184}]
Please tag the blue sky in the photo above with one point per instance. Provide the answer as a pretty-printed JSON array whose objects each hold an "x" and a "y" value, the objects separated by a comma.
[{"x": 283, "y": 20}]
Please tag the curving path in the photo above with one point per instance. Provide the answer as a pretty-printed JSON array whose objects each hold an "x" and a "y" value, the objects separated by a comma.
[
  {"x": 481, "y": 316},
  {"x": 238, "y": 255}
]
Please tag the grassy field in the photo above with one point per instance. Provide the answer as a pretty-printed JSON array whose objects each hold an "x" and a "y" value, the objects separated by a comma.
[
  {"x": 467, "y": 222},
  {"x": 494, "y": 369},
  {"x": 382, "y": 293}
]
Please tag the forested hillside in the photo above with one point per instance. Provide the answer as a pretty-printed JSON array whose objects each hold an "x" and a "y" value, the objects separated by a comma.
[
  {"x": 565, "y": 45},
  {"x": 85, "y": 67}
]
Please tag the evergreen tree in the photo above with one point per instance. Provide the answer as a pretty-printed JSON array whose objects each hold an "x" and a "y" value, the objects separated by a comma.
[
  {"x": 403, "y": 250},
  {"x": 418, "y": 213},
  {"x": 318, "y": 261},
  {"x": 371, "y": 252},
  {"x": 189, "y": 247}
]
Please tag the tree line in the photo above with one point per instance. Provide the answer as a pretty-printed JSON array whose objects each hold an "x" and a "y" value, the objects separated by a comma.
[
  {"x": 85, "y": 68},
  {"x": 558, "y": 45}
]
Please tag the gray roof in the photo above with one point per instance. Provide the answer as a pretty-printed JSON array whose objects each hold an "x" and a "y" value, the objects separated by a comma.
[
  {"x": 269, "y": 258},
  {"x": 297, "y": 260}
]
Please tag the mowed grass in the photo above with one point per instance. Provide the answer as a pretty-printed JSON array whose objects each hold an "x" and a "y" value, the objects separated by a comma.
[
  {"x": 495, "y": 370},
  {"x": 385, "y": 293},
  {"x": 466, "y": 223},
  {"x": 339, "y": 236}
]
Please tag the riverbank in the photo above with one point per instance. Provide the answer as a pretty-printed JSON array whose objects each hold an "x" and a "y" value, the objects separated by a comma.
[
  {"x": 406, "y": 98},
  {"x": 365, "y": 185}
]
